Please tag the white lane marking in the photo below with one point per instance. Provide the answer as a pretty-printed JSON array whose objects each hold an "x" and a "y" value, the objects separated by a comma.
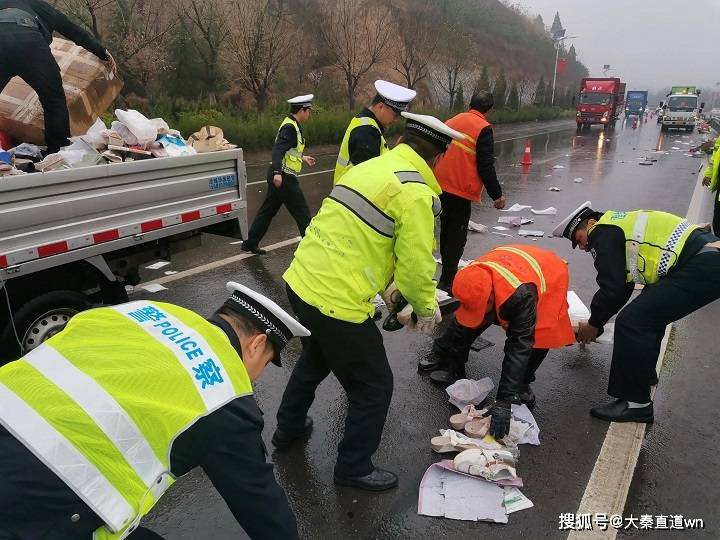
[
  {"x": 496, "y": 142},
  {"x": 214, "y": 264},
  {"x": 606, "y": 491}
]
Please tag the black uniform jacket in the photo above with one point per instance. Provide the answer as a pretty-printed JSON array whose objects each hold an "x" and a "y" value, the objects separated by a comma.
[
  {"x": 365, "y": 141},
  {"x": 51, "y": 20},
  {"x": 485, "y": 158},
  {"x": 607, "y": 246},
  {"x": 36, "y": 504},
  {"x": 285, "y": 140}
]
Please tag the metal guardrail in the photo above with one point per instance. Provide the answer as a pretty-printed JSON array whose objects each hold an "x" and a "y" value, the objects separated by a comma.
[{"x": 715, "y": 123}]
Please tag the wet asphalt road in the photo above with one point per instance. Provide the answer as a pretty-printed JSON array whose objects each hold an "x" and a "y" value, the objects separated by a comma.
[{"x": 570, "y": 381}]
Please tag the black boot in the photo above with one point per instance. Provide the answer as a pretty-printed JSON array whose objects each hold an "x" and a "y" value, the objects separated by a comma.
[
  {"x": 282, "y": 440},
  {"x": 377, "y": 480}
]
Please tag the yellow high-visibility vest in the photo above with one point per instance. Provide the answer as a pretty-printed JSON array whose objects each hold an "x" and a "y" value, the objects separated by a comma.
[{"x": 343, "y": 163}]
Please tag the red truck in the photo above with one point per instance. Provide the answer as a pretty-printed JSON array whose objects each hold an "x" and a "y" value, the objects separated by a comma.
[{"x": 601, "y": 102}]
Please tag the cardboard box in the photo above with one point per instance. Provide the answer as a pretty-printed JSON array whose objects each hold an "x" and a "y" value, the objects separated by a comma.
[{"x": 90, "y": 89}]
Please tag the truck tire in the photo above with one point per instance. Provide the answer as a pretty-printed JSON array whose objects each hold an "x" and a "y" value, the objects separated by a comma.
[
  {"x": 690, "y": 129},
  {"x": 39, "y": 319}
]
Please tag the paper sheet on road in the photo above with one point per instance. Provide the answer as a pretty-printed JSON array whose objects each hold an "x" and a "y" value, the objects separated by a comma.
[
  {"x": 577, "y": 180},
  {"x": 154, "y": 287},
  {"x": 577, "y": 310},
  {"x": 444, "y": 493},
  {"x": 558, "y": 167},
  {"x": 549, "y": 211},
  {"x": 515, "y": 501},
  {"x": 500, "y": 228},
  {"x": 501, "y": 234},
  {"x": 523, "y": 414},
  {"x": 515, "y": 221},
  {"x": 530, "y": 232},
  {"x": 157, "y": 265},
  {"x": 516, "y": 208},
  {"x": 554, "y": 188}
]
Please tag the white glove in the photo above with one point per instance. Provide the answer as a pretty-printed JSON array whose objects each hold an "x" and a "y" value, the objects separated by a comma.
[
  {"x": 391, "y": 296},
  {"x": 419, "y": 324}
]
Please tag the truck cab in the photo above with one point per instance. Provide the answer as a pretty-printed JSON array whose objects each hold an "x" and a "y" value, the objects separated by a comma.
[
  {"x": 636, "y": 103},
  {"x": 681, "y": 109},
  {"x": 600, "y": 102}
]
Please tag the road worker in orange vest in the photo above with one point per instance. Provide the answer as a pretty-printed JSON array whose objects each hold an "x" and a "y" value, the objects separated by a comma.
[
  {"x": 463, "y": 171},
  {"x": 523, "y": 289}
]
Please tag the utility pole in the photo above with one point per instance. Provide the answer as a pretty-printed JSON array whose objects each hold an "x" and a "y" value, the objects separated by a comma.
[{"x": 558, "y": 44}]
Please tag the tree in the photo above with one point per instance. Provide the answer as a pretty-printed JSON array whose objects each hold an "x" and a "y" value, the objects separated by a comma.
[
  {"x": 416, "y": 46},
  {"x": 483, "y": 83},
  {"x": 207, "y": 21},
  {"x": 572, "y": 54},
  {"x": 261, "y": 38},
  {"x": 459, "y": 104},
  {"x": 453, "y": 61},
  {"x": 500, "y": 90},
  {"x": 89, "y": 13},
  {"x": 355, "y": 34},
  {"x": 547, "y": 102},
  {"x": 539, "y": 99},
  {"x": 539, "y": 23},
  {"x": 557, "y": 29},
  {"x": 513, "y": 100}
]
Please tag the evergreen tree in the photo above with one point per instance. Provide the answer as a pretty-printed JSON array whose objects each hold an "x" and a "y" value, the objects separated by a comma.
[
  {"x": 572, "y": 54},
  {"x": 557, "y": 29},
  {"x": 459, "y": 104},
  {"x": 513, "y": 100},
  {"x": 500, "y": 90},
  {"x": 483, "y": 83},
  {"x": 568, "y": 98},
  {"x": 539, "y": 23},
  {"x": 540, "y": 92}
]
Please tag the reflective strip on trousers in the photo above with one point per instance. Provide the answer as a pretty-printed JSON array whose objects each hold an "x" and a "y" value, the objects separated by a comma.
[
  {"x": 436, "y": 206},
  {"x": 666, "y": 257},
  {"x": 204, "y": 369},
  {"x": 63, "y": 459},
  {"x": 531, "y": 261},
  {"x": 364, "y": 209},
  {"x": 410, "y": 176},
  {"x": 634, "y": 246},
  {"x": 504, "y": 272},
  {"x": 99, "y": 405}
]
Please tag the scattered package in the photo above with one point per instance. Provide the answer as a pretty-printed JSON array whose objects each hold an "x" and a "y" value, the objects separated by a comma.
[
  {"x": 90, "y": 88},
  {"x": 209, "y": 139},
  {"x": 477, "y": 227},
  {"x": 491, "y": 465},
  {"x": 558, "y": 167},
  {"x": 515, "y": 221},
  {"x": 578, "y": 180},
  {"x": 553, "y": 188},
  {"x": 516, "y": 208},
  {"x": 469, "y": 392},
  {"x": 529, "y": 232},
  {"x": 549, "y": 211}
]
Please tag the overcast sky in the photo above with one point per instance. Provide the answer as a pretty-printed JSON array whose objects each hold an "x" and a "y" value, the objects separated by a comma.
[{"x": 652, "y": 44}]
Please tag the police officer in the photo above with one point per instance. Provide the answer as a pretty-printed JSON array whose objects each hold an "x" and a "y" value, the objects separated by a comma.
[
  {"x": 679, "y": 265},
  {"x": 98, "y": 421},
  {"x": 711, "y": 179},
  {"x": 26, "y": 31},
  {"x": 524, "y": 290},
  {"x": 283, "y": 185},
  {"x": 364, "y": 137},
  {"x": 377, "y": 222}
]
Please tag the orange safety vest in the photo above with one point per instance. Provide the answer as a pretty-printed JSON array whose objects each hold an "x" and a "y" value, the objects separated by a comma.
[
  {"x": 511, "y": 266},
  {"x": 456, "y": 170}
]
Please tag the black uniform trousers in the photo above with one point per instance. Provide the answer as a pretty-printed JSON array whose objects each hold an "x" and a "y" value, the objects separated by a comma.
[
  {"x": 289, "y": 194},
  {"x": 640, "y": 326},
  {"x": 454, "y": 345},
  {"x": 453, "y": 234},
  {"x": 716, "y": 215},
  {"x": 25, "y": 53},
  {"x": 355, "y": 354}
]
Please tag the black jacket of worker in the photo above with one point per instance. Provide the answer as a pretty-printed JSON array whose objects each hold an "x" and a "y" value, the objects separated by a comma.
[
  {"x": 36, "y": 504},
  {"x": 26, "y": 31},
  {"x": 518, "y": 368}
]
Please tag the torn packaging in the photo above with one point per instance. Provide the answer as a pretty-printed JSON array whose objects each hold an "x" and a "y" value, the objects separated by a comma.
[{"x": 90, "y": 89}]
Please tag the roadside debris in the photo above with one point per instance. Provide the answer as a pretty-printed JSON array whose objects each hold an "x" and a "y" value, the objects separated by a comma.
[
  {"x": 549, "y": 211},
  {"x": 517, "y": 208},
  {"x": 577, "y": 180},
  {"x": 477, "y": 227},
  {"x": 529, "y": 232},
  {"x": 553, "y": 188}
]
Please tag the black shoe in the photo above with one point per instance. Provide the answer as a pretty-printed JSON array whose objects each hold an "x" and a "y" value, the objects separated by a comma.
[
  {"x": 445, "y": 378},
  {"x": 282, "y": 440},
  {"x": 256, "y": 250},
  {"x": 527, "y": 396},
  {"x": 445, "y": 286},
  {"x": 432, "y": 363},
  {"x": 618, "y": 411},
  {"x": 653, "y": 379},
  {"x": 378, "y": 480}
]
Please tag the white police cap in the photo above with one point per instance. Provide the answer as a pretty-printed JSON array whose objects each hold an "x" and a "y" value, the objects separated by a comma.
[
  {"x": 302, "y": 101},
  {"x": 393, "y": 95},
  {"x": 430, "y": 128},
  {"x": 566, "y": 228},
  {"x": 279, "y": 326}
]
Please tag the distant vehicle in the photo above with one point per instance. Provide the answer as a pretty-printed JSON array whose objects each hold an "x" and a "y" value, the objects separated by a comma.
[
  {"x": 681, "y": 109},
  {"x": 601, "y": 102},
  {"x": 636, "y": 102},
  {"x": 715, "y": 112}
]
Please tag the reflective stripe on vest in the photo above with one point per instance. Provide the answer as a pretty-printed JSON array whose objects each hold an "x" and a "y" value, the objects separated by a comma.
[
  {"x": 62, "y": 458},
  {"x": 370, "y": 214},
  {"x": 361, "y": 121},
  {"x": 666, "y": 257},
  {"x": 530, "y": 260},
  {"x": 464, "y": 146},
  {"x": 409, "y": 176},
  {"x": 638, "y": 234},
  {"x": 292, "y": 159},
  {"x": 504, "y": 272}
]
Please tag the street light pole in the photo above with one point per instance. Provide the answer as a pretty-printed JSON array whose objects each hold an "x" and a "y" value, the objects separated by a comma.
[{"x": 557, "y": 54}]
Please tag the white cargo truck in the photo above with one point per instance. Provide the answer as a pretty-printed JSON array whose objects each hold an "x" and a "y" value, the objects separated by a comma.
[
  {"x": 73, "y": 239},
  {"x": 681, "y": 109}
]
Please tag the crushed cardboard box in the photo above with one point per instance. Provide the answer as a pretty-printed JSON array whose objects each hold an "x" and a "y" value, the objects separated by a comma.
[{"x": 90, "y": 88}]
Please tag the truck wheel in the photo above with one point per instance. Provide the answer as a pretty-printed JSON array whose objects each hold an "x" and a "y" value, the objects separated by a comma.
[
  {"x": 690, "y": 129},
  {"x": 39, "y": 319}
]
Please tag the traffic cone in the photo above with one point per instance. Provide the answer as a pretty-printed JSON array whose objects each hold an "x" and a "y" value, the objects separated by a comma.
[
  {"x": 526, "y": 160},
  {"x": 635, "y": 124}
]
